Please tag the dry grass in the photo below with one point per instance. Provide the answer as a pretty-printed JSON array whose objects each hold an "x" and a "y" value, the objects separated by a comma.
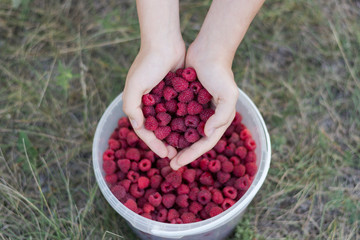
[{"x": 62, "y": 62}]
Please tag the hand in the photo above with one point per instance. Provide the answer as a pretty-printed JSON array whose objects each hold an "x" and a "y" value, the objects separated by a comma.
[
  {"x": 149, "y": 68},
  {"x": 215, "y": 74}
]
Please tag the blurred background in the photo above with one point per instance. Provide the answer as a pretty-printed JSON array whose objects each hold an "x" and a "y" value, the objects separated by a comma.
[{"x": 63, "y": 62}]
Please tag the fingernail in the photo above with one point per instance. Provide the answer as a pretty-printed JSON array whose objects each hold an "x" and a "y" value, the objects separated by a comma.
[{"x": 133, "y": 123}]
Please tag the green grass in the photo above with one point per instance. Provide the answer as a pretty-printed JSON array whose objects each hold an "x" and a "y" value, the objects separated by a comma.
[{"x": 61, "y": 64}]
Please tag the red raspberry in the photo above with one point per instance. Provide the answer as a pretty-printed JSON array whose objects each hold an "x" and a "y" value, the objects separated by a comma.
[
  {"x": 111, "y": 179},
  {"x": 239, "y": 127},
  {"x": 250, "y": 157},
  {"x": 169, "y": 93},
  {"x": 204, "y": 163},
  {"x": 214, "y": 166},
  {"x": 186, "y": 96},
  {"x": 123, "y": 123},
  {"x": 158, "y": 89},
  {"x": 192, "y": 121},
  {"x": 178, "y": 125},
  {"x": 191, "y": 135},
  {"x": 230, "y": 182},
  {"x": 148, "y": 111},
  {"x": 118, "y": 191},
  {"x": 171, "y": 106},
  {"x": 215, "y": 211},
  {"x": 203, "y": 214},
  {"x": 170, "y": 76},
  {"x": 195, "y": 163},
  {"x": 151, "y": 123},
  {"x": 142, "y": 145},
  {"x": 181, "y": 109},
  {"x": 113, "y": 144},
  {"x": 141, "y": 202},
  {"x": 200, "y": 128},
  {"x": 155, "y": 181},
  {"x": 250, "y": 144},
  {"x": 194, "y": 108},
  {"x": 227, "y": 203},
  {"x": 208, "y": 207},
  {"x": 204, "y": 96},
  {"x": 162, "y": 162},
  {"x": 223, "y": 177},
  {"x": 230, "y": 192},
  {"x": 160, "y": 107},
  {"x": 189, "y": 74},
  {"x": 234, "y": 138},
  {"x": 204, "y": 196},
  {"x": 143, "y": 182},
  {"x": 217, "y": 196},
  {"x": 148, "y": 192},
  {"x": 211, "y": 154},
  {"x": 237, "y": 119},
  {"x": 148, "y": 99},
  {"x": 239, "y": 170},
  {"x": 220, "y": 146},
  {"x": 173, "y": 139},
  {"x": 108, "y": 155},
  {"x": 162, "y": 132},
  {"x": 182, "y": 200},
  {"x": 206, "y": 114},
  {"x": 183, "y": 189},
  {"x": 174, "y": 178},
  {"x": 165, "y": 171},
  {"x": 251, "y": 168},
  {"x": 148, "y": 208},
  {"x": 194, "y": 193},
  {"x": 230, "y": 150},
  {"x": 162, "y": 215},
  {"x": 132, "y": 139},
  {"x": 120, "y": 153},
  {"x": 244, "y": 134},
  {"x": 135, "y": 191},
  {"x": 150, "y": 155},
  {"x": 133, "y": 176},
  {"x": 172, "y": 214},
  {"x": 222, "y": 158},
  {"x": 195, "y": 207},
  {"x": 189, "y": 175},
  {"x": 114, "y": 135},
  {"x": 134, "y": 166},
  {"x": 241, "y": 152},
  {"x": 183, "y": 143},
  {"x": 179, "y": 72},
  {"x": 131, "y": 204},
  {"x": 188, "y": 217},
  {"x": 155, "y": 199},
  {"x": 109, "y": 167},
  {"x": 177, "y": 221},
  {"x": 229, "y": 131},
  {"x": 168, "y": 200},
  {"x": 242, "y": 183},
  {"x": 120, "y": 175},
  {"x": 146, "y": 215},
  {"x": 166, "y": 187},
  {"x": 163, "y": 118},
  {"x": 132, "y": 154},
  {"x": 145, "y": 165},
  {"x": 123, "y": 132},
  {"x": 153, "y": 172},
  {"x": 179, "y": 84},
  {"x": 126, "y": 184},
  {"x": 227, "y": 167},
  {"x": 124, "y": 165},
  {"x": 195, "y": 87}
]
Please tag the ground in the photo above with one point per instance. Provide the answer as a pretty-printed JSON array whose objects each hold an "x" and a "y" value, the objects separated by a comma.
[{"x": 63, "y": 62}]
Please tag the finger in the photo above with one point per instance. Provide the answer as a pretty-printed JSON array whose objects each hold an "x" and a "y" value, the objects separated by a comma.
[
  {"x": 156, "y": 145},
  {"x": 171, "y": 152}
]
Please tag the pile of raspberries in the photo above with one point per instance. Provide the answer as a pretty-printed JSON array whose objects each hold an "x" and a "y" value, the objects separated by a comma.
[
  {"x": 146, "y": 184},
  {"x": 177, "y": 109}
]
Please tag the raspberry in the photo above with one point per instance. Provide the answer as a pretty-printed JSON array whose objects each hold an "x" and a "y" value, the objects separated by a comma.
[
  {"x": 230, "y": 149},
  {"x": 230, "y": 182},
  {"x": 113, "y": 144},
  {"x": 162, "y": 132},
  {"x": 177, "y": 221},
  {"x": 223, "y": 177},
  {"x": 183, "y": 189},
  {"x": 220, "y": 146},
  {"x": 109, "y": 167},
  {"x": 126, "y": 184},
  {"x": 191, "y": 135},
  {"x": 150, "y": 155},
  {"x": 160, "y": 107},
  {"x": 118, "y": 191},
  {"x": 214, "y": 166},
  {"x": 194, "y": 193},
  {"x": 120, "y": 153},
  {"x": 134, "y": 166},
  {"x": 183, "y": 143},
  {"x": 181, "y": 109},
  {"x": 166, "y": 187},
  {"x": 250, "y": 157},
  {"x": 188, "y": 217},
  {"x": 162, "y": 215},
  {"x": 146, "y": 215},
  {"x": 203, "y": 214},
  {"x": 179, "y": 72},
  {"x": 234, "y": 138},
  {"x": 148, "y": 111},
  {"x": 195, "y": 87},
  {"x": 204, "y": 96},
  {"x": 189, "y": 74},
  {"x": 172, "y": 214},
  {"x": 143, "y": 145},
  {"x": 215, "y": 211},
  {"x": 151, "y": 123},
  {"x": 241, "y": 152},
  {"x": 131, "y": 204},
  {"x": 204, "y": 196},
  {"x": 189, "y": 175},
  {"x": 206, "y": 114},
  {"x": 195, "y": 207},
  {"x": 123, "y": 132},
  {"x": 227, "y": 167},
  {"x": 230, "y": 192},
  {"x": 163, "y": 118},
  {"x": 148, "y": 192},
  {"x": 169, "y": 93},
  {"x": 239, "y": 128},
  {"x": 242, "y": 183},
  {"x": 170, "y": 76},
  {"x": 132, "y": 154},
  {"x": 143, "y": 182},
  {"x": 133, "y": 176},
  {"x": 120, "y": 175},
  {"x": 132, "y": 139},
  {"x": 111, "y": 179},
  {"x": 211, "y": 154},
  {"x": 239, "y": 170},
  {"x": 145, "y": 165},
  {"x": 165, "y": 171},
  {"x": 251, "y": 168},
  {"x": 250, "y": 144},
  {"x": 227, "y": 203},
  {"x": 124, "y": 165},
  {"x": 244, "y": 134},
  {"x": 171, "y": 106},
  {"x": 123, "y": 123},
  {"x": 153, "y": 172},
  {"x": 217, "y": 196},
  {"x": 222, "y": 158},
  {"x": 229, "y": 130},
  {"x": 237, "y": 119},
  {"x": 162, "y": 162},
  {"x": 182, "y": 200},
  {"x": 168, "y": 200},
  {"x": 135, "y": 191},
  {"x": 200, "y": 128},
  {"x": 148, "y": 99},
  {"x": 155, "y": 181},
  {"x": 179, "y": 84},
  {"x": 148, "y": 208},
  {"x": 114, "y": 135},
  {"x": 239, "y": 143},
  {"x": 158, "y": 89},
  {"x": 204, "y": 164},
  {"x": 174, "y": 178},
  {"x": 186, "y": 96},
  {"x": 178, "y": 125},
  {"x": 108, "y": 155},
  {"x": 192, "y": 121},
  {"x": 194, "y": 108}
]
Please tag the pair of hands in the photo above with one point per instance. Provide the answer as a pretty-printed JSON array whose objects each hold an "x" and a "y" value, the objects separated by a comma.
[{"x": 214, "y": 72}]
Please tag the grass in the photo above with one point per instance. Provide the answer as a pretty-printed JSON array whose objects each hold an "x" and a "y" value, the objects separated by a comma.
[{"x": 62, "y": 63}]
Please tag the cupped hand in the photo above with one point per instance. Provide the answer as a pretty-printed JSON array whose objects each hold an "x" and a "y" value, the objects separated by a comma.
[
  {"x": 150, "y": 66},
  {"x": 215, "y": 74}
]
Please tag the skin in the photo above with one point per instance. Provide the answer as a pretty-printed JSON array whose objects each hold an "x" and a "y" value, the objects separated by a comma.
[{"x": 211, "y": 55}]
